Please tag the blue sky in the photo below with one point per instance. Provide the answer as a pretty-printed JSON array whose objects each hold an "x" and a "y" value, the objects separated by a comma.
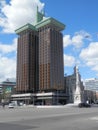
[{"x": 80, "y": 39}]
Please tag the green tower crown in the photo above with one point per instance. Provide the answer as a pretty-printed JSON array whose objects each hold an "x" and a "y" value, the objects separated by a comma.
[
  {"x": 39, "y": 16},
  {"x": 41, "y": 21}
]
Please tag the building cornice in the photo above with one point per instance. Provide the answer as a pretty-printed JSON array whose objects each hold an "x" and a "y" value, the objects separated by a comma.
[
  {"x": 25, "y": 27},
  {"x": 51, "y": 21}
]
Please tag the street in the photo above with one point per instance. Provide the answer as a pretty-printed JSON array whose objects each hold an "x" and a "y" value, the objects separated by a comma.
[{"x": 62, "y": 118}]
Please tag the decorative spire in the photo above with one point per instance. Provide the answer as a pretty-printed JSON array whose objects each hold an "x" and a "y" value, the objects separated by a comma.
[
  {"x": 37, "y": 9},
  {"x": 39, "y": 15},
  {"x": 76, "y": 69}
]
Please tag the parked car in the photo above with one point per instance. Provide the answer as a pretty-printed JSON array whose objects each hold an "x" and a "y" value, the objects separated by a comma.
[
  {"x": 84, "y": 105},
  {"x": 96, "y": 102},
  {"x": 11, "y": 105}
]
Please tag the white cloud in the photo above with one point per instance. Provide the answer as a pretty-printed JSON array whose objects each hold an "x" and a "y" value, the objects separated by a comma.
[
  {"x": 77, "y": 40},
  {"x": 7, "y": 68},
  {"x": 67, "y": 40},
  {"x": 84, "y": 34},
  {"x": 90, "y": 55},
  {"x": 2, "y": 3},
  {"x": 8, "y": 48},
  {"x": 18, "y": 13},
  {"x": 8, "y": 64},
  {"x": 69, "y": 60}
]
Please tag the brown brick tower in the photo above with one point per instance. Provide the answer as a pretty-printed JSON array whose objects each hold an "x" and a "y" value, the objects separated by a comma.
[
  {"x": 40, "y": 56},
  {"x": 51, "y": 74},
  {"x": 27, "y": 59},
  {"x": 51, "y": 71}
]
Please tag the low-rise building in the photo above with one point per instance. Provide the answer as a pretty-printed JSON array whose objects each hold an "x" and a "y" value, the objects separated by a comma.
[
  {"x": 47, "y": 98},
  {"x": 91, "y": 84},
  {"x": 7, "y": 88},
  {"x": 91, "y": 89},
  {"x": 89, "y": 96}
]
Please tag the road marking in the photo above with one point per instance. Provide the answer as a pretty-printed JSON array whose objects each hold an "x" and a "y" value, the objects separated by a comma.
[{"x": 94, "y": 118}]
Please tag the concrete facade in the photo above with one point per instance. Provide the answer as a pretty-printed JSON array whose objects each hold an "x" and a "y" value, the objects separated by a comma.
[{"x": 91, "y": 84}]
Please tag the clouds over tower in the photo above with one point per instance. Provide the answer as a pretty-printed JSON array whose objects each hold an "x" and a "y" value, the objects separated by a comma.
[{"x": 17, "y": 13}]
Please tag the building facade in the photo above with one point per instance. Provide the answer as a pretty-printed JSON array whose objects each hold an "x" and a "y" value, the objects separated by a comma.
[
  {"x": 91, "y": 84},
  {"x": 7, "y": 88},
  {"x": 27, "y": 60},
  {"x": 90, "y": 96},
  {"x": 51, "y": 72},
  {"x": 91, "y": 89},
  {"x": 40, "y": 56}
]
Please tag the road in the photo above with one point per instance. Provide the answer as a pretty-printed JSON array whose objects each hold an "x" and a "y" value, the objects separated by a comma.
[{"x": 29, "y": 118}]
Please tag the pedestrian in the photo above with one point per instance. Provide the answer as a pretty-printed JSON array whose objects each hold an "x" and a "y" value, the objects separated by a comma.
[{"x": 3, "y": 105}]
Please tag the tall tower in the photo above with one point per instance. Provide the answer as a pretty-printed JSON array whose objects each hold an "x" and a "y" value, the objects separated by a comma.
[
  {"x": 51, "y": 71},
  {"x": 27, "y": 59},
  {"x": 40, "y": 56}
]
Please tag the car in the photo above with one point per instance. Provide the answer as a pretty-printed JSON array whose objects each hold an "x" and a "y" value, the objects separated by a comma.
[
  {"x": 84, "y": 105},
  {"x": 96, "y": 102},
  {"x": 11, "y": 105}
]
